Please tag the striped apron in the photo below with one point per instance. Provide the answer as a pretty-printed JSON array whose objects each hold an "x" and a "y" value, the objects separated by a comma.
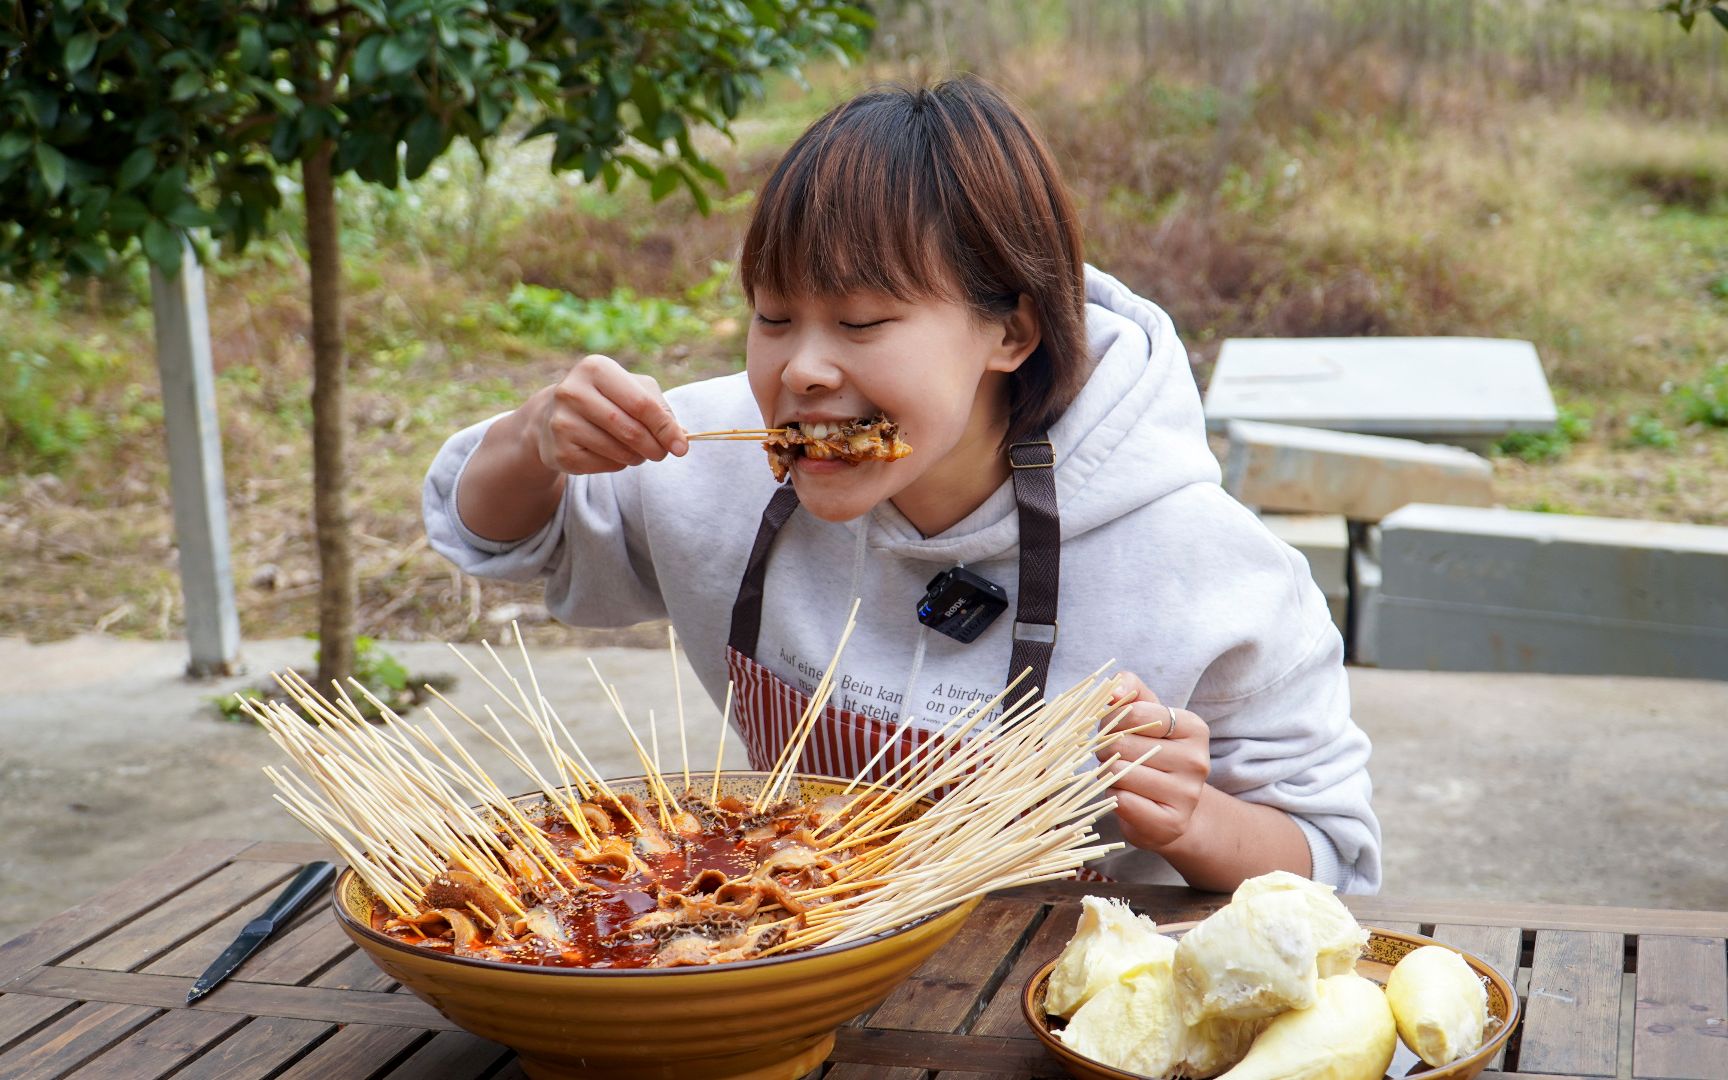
[{"x": 766, "y": 708}]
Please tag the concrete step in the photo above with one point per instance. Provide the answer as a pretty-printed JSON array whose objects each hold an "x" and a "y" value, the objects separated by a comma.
[
  {"x": 1467, "y": 589},
  {"x": 1362, "y": 477}
]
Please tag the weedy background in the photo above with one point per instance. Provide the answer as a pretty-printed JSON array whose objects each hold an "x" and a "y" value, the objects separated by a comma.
[{"x": 1551, "y": 171}]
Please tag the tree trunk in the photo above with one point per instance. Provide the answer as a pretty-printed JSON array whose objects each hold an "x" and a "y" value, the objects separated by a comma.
[{"x": 336, "y": 589}]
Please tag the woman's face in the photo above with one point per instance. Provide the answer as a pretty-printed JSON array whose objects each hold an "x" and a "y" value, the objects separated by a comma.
[{"x": 931, "y": 366}]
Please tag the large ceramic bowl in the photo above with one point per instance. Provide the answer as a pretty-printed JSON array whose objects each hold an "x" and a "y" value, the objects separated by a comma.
[
  {"x": 1385, "y": 949},
  {"x": 770, "y": 1019}
]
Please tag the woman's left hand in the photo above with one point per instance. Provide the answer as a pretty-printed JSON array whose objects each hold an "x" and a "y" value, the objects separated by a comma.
[{"x": 1156, "y": 800}]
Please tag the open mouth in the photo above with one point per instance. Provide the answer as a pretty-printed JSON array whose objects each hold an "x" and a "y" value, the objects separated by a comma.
[{"x": 869, "y": 438}]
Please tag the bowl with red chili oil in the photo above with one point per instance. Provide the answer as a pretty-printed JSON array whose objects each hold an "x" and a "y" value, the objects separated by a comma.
[{"x": 662, "y": 962}]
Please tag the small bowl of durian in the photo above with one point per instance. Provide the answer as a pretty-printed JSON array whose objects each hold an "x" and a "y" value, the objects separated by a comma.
[{"x": 1281, "y": 983}]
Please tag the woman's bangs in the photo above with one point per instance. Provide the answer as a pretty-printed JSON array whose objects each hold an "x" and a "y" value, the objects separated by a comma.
[{"x": 852, "y": 208}]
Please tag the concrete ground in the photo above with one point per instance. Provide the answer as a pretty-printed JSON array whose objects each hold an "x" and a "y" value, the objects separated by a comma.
[{"x": 1518, "y": 787}]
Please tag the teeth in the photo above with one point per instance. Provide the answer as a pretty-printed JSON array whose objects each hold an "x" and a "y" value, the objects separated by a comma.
[{"x": 820, "y": 429}]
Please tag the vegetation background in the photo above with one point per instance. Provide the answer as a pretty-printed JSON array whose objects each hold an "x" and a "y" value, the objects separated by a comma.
[{"x": 1556, "y": 171}]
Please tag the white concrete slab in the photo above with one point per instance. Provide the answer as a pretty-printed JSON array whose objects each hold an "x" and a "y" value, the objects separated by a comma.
[
  {"x": 1362, "y": 477},
  {"x": 1425, "y": 388},
  {"x": 1324, "y": 540},
  {"x": 1466, "y": 589}
]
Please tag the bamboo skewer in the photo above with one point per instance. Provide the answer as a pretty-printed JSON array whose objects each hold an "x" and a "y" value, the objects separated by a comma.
[
  {"x": 567, "y": 768},
  {"x": 678, "y": 693},
  {"x": 751, "y": 434},
  {"x": 938, "y": 837},
  {"x": 794, "y": 748},
  {"x": 530, "y": 840},
  {"x": 594, "y": 774},
  {"x": 1019, "y": 782},
  {"x": 513, "y": 752},
  {"x": 662, "y": 794},
  {"x": 720, "y": 748}
]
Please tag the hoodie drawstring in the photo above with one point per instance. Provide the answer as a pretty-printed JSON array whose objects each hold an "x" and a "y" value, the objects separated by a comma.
[
  {"x": 859, "y": 552},
  {"x": 907, "y": 715}
]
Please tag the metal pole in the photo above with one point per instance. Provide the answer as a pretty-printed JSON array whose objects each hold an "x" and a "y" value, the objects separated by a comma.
[{"x": 195, "y": 468}]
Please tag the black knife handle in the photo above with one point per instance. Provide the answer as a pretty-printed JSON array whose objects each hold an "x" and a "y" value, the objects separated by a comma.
[{"x": 307, "y": 882}]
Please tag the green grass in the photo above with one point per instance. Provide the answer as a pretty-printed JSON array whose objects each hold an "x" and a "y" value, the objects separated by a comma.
[
  {"x": 1549, "y": 506},
  {"x": 70, "y": 384},
  {"x": 602, "y": 324},
  {"x": 1571, "y": 427},
  {"x": 1705, "y": 401},
  {"x": 375, "y": 667},
  {"x": 1646, "y": 429}
]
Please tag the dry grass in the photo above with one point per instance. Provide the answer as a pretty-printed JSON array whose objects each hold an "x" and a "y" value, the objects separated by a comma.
[
  {"x": 1319, "y": 174},
  {"x": 1607, "y": 481}
]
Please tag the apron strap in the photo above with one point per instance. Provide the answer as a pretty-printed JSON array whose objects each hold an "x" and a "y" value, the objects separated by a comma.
[
  {"x": 1033, "y": 463},
  {"x": 1034, "y": 466},
  {"x": 747, "y": 609}
]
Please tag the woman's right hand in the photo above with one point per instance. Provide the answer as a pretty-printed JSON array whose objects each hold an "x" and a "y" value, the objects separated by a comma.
[{"x": 601, "y": 418}]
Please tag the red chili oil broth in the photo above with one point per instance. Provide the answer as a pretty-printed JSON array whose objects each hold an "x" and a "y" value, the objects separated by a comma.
[{"x": 594, "y": 919}]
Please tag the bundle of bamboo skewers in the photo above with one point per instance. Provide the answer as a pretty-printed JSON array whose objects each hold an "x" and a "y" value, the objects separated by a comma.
[{"x": 1019, "y": 781}]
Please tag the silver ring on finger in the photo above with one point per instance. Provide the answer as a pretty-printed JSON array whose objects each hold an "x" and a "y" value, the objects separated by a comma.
[{"x": 1171, "y": 728}]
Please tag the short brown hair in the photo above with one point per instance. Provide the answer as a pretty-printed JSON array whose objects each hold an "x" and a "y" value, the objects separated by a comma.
[{"x": 922, "y": 192}]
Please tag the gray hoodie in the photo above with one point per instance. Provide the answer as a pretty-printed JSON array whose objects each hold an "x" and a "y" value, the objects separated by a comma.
[{"x": 1162, "y": 573}]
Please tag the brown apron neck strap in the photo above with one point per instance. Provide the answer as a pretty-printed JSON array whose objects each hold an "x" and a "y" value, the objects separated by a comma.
[
  {"x": 1034, "y": 470},
  {"x": 747, "y": 609}
]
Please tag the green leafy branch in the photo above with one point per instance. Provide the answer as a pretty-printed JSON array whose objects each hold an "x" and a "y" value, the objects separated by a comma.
[
  {"x": 1687, "y": 11},
  {"x": 129, "y": 124}
]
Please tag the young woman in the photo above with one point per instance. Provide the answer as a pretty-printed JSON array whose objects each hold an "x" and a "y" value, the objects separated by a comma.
[{"x": 916, "y": 256}]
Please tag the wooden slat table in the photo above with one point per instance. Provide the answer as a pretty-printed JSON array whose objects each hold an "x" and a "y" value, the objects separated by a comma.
[{"x": 99, "y": 991}]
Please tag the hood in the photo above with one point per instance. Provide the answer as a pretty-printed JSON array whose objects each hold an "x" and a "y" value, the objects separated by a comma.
[{"x": 1134, "y": 434}]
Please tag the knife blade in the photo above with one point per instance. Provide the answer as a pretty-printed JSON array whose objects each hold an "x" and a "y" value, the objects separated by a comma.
[{"x": 312, "y": 878}]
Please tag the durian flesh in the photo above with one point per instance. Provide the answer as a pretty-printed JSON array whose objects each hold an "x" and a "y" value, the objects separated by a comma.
[
  {"x": 1338, "y": 938},
  {"x": 1347, "y": 1034},
  {"x": 1135, "y": 1023},
  {"x": 1266, "y": 950},
  {"x": 1440, "y": 1005},
  {"x": 1139, "y": 1001},
  {"x": 1109, "y": 941},
  {"x": 1252, "y": 958}
]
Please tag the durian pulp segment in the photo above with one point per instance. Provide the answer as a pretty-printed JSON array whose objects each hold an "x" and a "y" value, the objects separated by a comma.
[
  {"x": 1134, "y": 1023},
  {"x": 1440, "y": 1005},
  {"x": 1253, "y": 958},
  {"x": 1216, "y": 1045},
  {"x": 1109, "y": 941},
  {"x": 1338, "y": 938},
  {"x": 1347, "y": 1034}
]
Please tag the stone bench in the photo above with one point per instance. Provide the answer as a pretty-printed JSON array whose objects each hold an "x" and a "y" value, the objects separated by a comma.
[
  {"x": 1467, "y": 589},
  {"x": 1447, "y": 389},
  {"x": 1362, "y": 477}
]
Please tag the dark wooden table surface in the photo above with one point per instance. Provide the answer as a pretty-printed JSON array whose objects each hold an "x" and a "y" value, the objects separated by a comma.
[{"x": 99, "y": 990}]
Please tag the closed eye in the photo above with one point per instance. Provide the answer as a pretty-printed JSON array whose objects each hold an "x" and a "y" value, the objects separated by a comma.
[
  {"x": 864, "y": 326},
  {"x": 771, "y": 322}
]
